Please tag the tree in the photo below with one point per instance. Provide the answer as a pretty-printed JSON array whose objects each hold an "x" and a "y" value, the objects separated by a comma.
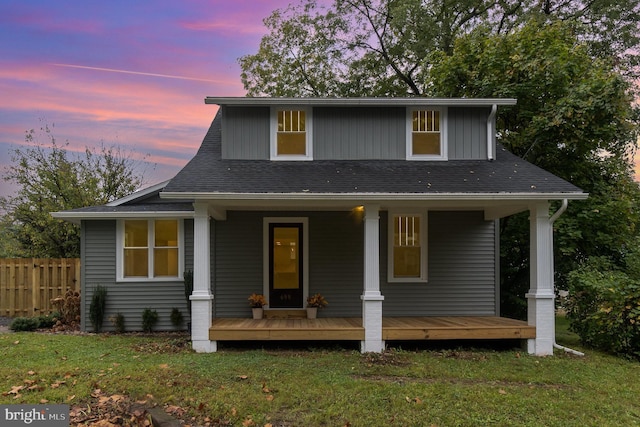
[
  {"x": 50, "y": 178},
  {"x": 386, "y": 47},
  {"x": 570, "y": 64},
  {"x": 574, "y": 118}
]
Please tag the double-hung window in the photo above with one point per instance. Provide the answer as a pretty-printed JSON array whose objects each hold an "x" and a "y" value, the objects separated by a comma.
[
  {"x": 407, "y": 247},
  {"x": 291, "y": 134},
  {"x": 426, "y": 133},
  {"x": 149, "y": 249}
]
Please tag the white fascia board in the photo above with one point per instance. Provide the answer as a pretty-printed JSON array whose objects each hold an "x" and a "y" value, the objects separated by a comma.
[
  {"x": 76, "y": 217},
  {"x": 139, "y": 194},
  {"x": 320, "y": 102},
  {"x": 374, "y": 196}
]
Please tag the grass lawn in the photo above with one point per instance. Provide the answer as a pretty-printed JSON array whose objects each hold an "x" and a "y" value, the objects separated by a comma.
[{"x": 321, "y": 386}]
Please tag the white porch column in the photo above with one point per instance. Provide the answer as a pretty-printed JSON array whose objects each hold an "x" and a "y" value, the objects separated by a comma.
[
  {"x": 541, "y": 309},
  {"x": 371, "y": 297},
  {"x": 201, "y": 298}
]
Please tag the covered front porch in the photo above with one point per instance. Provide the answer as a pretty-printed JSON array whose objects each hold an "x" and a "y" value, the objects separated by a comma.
[{"x": 351, "y": 329}]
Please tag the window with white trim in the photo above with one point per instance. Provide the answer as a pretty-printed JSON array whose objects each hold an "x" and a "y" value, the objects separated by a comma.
[
  {"x": 150, "y": 249},
  {"x": 407, "y": 247},
  {"x": 426, "y": 133},
  {"x": 291, "y": 134}
]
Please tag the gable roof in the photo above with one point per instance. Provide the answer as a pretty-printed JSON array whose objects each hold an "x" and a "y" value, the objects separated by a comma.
[{"x": 209, "y": 176}]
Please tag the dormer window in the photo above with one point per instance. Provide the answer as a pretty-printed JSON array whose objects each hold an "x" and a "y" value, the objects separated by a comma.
[
  {"x": 426, "y": 134},
  {"x": 291, "y": 134}
]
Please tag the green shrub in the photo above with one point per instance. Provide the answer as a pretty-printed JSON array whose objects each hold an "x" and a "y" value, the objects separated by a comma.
[
  {"x": 149, "y": 319},
  {"x": 118, "y": 322},
  {"x": 603, "y": 307},
  {"x": 97, "y": 307},
  {"x": 176, "y": 318},
  {"x": 48, "y": 321},
  {"x": 24, "y": 324}
]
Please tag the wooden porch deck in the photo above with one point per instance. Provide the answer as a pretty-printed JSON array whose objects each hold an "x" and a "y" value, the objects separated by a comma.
[{"x": 350, "y": 329}]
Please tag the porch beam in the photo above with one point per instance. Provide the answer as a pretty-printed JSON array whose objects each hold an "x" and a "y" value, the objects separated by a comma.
[
  {"x": 540, "y": 306},
  {"x": 371, "y": 296},
  {"x": 201, "y": 297}
]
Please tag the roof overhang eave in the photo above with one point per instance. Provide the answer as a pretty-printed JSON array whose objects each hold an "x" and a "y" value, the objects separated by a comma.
[
  {"x": 373, "y": 197},
  {"x": 267, "y": 101},
  {"x": 77, "y": 217}
]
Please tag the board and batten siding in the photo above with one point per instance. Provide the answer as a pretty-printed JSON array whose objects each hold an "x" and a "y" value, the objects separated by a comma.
[
  {"x": 353, "y": 133},
  {"x": 359, "y": 133},
  {"x": 246, "y": 133},
  {"x": 467, "y": 132},
  {"x": 130, "y": 298},
  {"x": 461, "y": 270}
]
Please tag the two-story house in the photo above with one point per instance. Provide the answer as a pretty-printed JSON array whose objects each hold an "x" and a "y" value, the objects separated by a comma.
[{"x": 388, "y": 207}]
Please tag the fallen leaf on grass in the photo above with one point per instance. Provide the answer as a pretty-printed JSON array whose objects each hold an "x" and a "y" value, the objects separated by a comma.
[
  {"x": 248, "y": 423},
  {"x": 265, "y": 389},
  {"x": 31, "y": 373},
  {"x": 164, "y": 366},
  {"x": 243, "y": 377},
  {"x": 415, "y": 400},
  {"x": 43, "y": 401},
  {"x": 501, "y": 391},
  {"x": 70, "y": 398},
  {"x": 15, "y": 389},
  {"x": 270, "y": 397},
  {"x": 16, "y": 342}
]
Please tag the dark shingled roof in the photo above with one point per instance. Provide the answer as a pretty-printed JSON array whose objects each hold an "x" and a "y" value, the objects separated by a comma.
[
  {"x": 207, "y": 172},
  {"x": 147, "y": 207}
]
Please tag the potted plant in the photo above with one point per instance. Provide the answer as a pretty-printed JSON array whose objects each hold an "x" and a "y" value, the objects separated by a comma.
[
  {"x": 315, "y": 302},
  {"x": 257, "y": 302}
]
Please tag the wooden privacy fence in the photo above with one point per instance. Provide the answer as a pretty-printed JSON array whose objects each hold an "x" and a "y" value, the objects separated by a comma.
[{"x": 27, "y": 285}]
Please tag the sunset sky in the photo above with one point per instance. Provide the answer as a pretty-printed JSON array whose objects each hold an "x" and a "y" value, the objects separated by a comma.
[{"x": 131, "y": 73}]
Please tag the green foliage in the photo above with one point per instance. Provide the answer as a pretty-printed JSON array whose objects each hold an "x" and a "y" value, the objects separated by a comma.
[
  {"x": 24, "y": 324},
  {"x": 47, "y": 321},
  {"x": 574, "y": 118},
  {"x": 98, "y": 307},
  {"x": 604, "y": 305},
  {"x": 176, "y": 318},
  {"x": 118, "y": 322},
  {"x": 50, "y": 178},
  {"x": 387, "y": 47},
  {"x": 149, "y": 319}
]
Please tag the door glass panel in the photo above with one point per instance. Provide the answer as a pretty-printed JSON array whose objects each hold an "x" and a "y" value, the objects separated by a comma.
[{"x": 286, "y": 258}]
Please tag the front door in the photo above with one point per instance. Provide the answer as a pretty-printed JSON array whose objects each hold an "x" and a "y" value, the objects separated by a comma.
[{"x": 285, "y": 265}]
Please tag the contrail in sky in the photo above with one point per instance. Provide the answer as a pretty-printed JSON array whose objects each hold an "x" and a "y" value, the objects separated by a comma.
[{"x": 166, "y": 76}]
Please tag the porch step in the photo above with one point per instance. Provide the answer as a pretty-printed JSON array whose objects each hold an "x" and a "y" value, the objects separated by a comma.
[{"x": 285, "y": 314}]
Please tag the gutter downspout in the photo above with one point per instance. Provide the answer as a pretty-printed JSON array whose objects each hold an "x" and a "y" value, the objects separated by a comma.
[
  {"x": 555, "y": 216},
  {"x": 491, "y": 135}
]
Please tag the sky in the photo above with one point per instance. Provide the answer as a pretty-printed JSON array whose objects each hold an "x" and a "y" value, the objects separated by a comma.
[{"x": 132, "y": 73}]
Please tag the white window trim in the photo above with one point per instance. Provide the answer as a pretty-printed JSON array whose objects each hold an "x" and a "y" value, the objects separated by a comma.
[
  {"x": 424, "y": 246},
  {"x": 305, "y": 255},
  {"x": 444, "y": 149},
  {"x": 274, "y": 131},
  {"x": 150, "y": 245}
]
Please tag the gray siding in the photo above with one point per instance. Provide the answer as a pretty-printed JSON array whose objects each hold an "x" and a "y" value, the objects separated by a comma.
[
  {"x": 335, "y": 261},
  {"x": 462, "y": 265},
  {"x": 99, "y": 268},
  {"x": 345, "y": 133},
  {"x": 467, "y": 129},
  {"x": 461, "y": 270},
  {"x": 245, "y": 133},
  {"x": 359, "y": 133}
]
